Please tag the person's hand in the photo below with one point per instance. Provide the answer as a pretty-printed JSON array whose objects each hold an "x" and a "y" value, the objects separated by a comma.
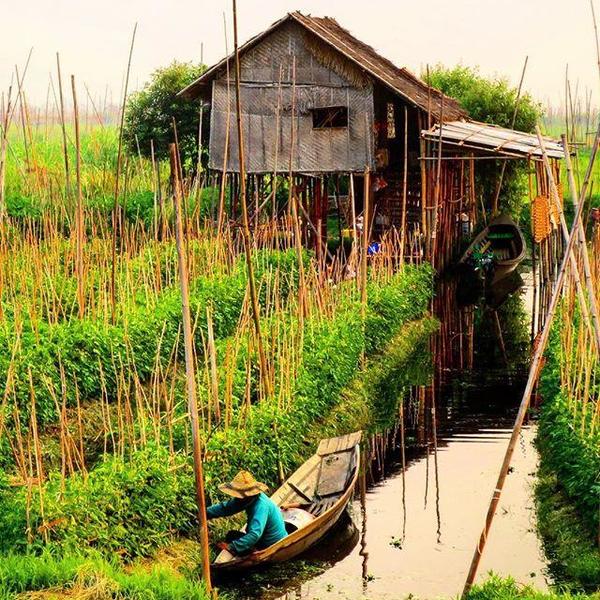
[{"x": 222, "y": 545}]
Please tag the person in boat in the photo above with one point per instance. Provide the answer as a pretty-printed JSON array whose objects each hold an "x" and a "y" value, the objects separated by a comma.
[{"x": 265, "y": 525}]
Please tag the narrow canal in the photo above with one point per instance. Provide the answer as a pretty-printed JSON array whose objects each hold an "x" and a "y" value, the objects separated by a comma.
[{"x": 390, "y": 548}]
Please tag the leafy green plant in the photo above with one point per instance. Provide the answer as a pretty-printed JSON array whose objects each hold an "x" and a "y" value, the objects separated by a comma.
[{"x": 150, "y": 112}]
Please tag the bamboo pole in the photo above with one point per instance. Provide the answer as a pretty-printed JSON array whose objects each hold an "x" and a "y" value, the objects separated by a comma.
[
  {"x": 221, "y": 209},
  {"x": 404, "y": 186},
  {"x": 293, "y": 201},
  {"x": 190, "y": 375},
  {"x": 79, "y": 209},
  {"x": 265, "y": 375},
  {"x": 534, "y": 370},
  {"x": 63, "y": 127},
  {"x": 365, "y": 242},
  {"x": 115, "y": 219},
  {"x": 587, "y": 271},
  {"x": 565, "y": 232},
  {"x": 512, "y": 126}
]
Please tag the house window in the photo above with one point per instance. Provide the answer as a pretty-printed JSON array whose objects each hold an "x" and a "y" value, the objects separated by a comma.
[
  {"x": 330, "y": 117},
  {"x": 391, "y": 122}
]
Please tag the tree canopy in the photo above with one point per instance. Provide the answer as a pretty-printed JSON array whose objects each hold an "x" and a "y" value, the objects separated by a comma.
[
  {"x": 149, "y": 114},
  {"x": 492, "y": 101},
  {"x": 487, "y": 100}
]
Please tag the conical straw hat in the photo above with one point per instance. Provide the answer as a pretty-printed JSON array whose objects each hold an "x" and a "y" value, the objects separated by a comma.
[{"x": 243, "y": 485}]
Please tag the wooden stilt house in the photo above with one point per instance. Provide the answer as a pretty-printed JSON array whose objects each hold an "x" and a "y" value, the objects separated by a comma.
[{"x": 321, "y": 107}]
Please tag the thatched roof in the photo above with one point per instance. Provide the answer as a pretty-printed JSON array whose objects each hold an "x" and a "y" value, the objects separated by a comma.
[{"x": 328, "y": 30}]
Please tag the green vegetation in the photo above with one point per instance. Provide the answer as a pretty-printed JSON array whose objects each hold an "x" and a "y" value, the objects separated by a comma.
[
  {"x": 497, "y": 588},
  {"x": 150, "y": 113},
  {"x": 568, "y": 492}
]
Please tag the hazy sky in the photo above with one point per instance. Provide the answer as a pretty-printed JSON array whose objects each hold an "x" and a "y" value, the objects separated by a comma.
[{"x": 93, "y": 37}]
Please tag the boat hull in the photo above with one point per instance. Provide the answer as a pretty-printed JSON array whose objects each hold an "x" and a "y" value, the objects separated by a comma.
[{"x": 302, "y": 539}]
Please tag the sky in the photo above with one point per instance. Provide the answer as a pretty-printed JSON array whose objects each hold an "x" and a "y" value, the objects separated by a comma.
[{"x": 93, "y": 38}]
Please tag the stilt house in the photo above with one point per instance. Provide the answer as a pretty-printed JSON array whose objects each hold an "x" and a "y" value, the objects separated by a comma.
[{"x": 319, "y": 105}]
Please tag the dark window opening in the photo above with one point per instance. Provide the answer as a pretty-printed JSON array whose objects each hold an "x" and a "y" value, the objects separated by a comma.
[{"x": 329, "y": 117}]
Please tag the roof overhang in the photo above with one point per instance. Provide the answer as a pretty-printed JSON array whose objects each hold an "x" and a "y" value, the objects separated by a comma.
[
  {"x": 483, "y": 137},
  {"x": 399, "y": 80}
]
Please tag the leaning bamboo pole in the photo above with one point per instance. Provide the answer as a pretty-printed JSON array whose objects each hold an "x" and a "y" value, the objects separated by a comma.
[
  {"x": 534, "y": 370},
  {"x": 512, "y": 126},
  {"x": 190, "y": 376},
  {"x": 265, "y": 375}
]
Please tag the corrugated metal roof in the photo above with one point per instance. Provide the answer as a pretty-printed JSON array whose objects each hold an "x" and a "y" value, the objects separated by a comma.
[
  {"x": 491, "y": 138},
  {"x": 328, "y": 30}
]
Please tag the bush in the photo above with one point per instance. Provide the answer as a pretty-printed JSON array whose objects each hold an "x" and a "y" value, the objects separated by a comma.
[{"x": 150, "y": 112}]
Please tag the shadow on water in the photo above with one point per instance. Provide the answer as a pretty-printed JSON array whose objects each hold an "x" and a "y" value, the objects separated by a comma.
[{"x": 412, "y": 530}]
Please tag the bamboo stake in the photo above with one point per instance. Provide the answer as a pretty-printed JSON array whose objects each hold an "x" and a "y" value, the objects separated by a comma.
[
  {"x": 512, "y": 126},
  {"x": 79, "y": 213},
  {"x": 587, "y": 271},
  {"x": 565, "y": 232},
  {"x": 190, "y": 375},
  {"x": 221, "y": 210},
  {"x": 63, "y": 128},
  {"x": 534, "y": 370},
  {"x": 265, "y": 375},
  {"x": 365, "y": 244},
  {"x": 404, "y": 186},
  {"x": 115, "y": 219}
]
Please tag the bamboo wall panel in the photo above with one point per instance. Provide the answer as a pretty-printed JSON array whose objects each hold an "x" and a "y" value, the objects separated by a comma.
[
  {"x": 315, "y": 150},
  {"x": 320, "y": 82}
]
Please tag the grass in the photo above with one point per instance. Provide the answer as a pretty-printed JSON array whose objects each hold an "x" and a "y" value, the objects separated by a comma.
[
  {"x": 497, "y": 588},
  {"x": 573, "y": 555}
]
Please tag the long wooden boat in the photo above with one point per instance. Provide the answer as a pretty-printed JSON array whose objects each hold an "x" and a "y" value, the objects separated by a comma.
[
  {"x": 497, "y": 250},
  {"x": 323, "y": 485}
]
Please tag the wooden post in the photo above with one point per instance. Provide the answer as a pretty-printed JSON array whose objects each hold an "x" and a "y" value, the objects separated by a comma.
[
  {"x": 534, "y": 370},
  {"x": 365, "y": 240},
  {"x": 265, "y": 375},
  {"x": 190, "y": 376}
]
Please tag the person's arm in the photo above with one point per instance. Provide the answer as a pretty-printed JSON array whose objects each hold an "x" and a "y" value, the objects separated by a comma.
[
  {"x": 224, "y": 509},
  {"x": 254, "y": 531}
]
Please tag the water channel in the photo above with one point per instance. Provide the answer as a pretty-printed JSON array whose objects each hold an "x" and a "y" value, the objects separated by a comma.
[{"x": 390, "y": 549}]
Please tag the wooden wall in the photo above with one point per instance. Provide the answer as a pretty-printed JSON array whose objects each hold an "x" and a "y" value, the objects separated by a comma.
[{"x": 321, "y": 80}]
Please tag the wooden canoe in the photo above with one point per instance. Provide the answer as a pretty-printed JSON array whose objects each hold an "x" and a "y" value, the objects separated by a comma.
[
  {"x": 504, "y": 241},
  {"x": 324, "y": 485}
]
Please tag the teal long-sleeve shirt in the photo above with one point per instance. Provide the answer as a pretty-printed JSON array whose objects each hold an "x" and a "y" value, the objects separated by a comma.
[{"x": 265, "y": 524}]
